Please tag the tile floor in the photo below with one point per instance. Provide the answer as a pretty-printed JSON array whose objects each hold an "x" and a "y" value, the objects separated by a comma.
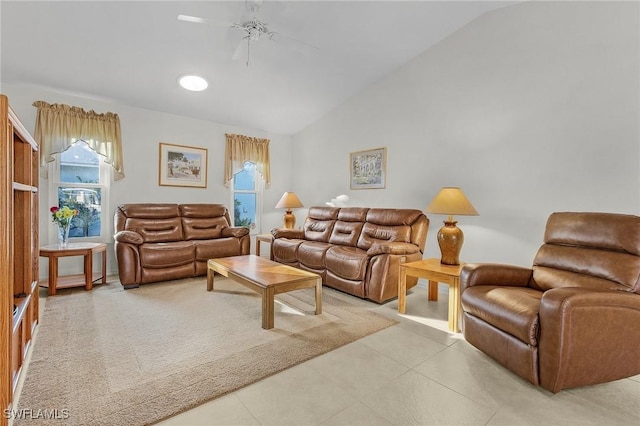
[{"x": 414, "y": 373}]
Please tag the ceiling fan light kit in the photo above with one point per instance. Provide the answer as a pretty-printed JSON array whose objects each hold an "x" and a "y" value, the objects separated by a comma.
[{"x": 193, "y": 83}]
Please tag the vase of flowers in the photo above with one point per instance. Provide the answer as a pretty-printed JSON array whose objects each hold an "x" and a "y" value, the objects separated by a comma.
[{"x": 62, "y": 217}]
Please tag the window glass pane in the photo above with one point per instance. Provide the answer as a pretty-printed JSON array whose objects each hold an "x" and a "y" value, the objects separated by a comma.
[
  {"x": 244, "y": 209},
  {"x": 79, "y": 164},
  {"x": 88, "y": 203},
  {"x": 245, "y": 180}
]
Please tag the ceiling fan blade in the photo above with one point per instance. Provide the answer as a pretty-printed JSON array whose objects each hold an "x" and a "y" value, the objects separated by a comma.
[
  {"x": 276, "y": 36},
  {"x": 242, "y": 50},
  {"x": 198, "y": 20}
]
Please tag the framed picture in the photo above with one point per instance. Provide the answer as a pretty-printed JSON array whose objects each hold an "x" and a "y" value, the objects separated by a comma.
[
  {"x": 182, "y": 166},
  {"x": 368, "y": 169}
]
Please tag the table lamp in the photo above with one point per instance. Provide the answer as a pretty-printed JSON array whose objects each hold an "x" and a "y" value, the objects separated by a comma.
[
  {"x": 451, "y": 201},
  {"x": 289, "y": 201}
]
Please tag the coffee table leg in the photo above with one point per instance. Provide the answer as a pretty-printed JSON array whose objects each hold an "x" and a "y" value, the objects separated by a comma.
[
  {"x": 267, "y": 308},
  {"x": 433, "y": 290},
  {"x": 209, "y": 279},
  {"x": 318, "y": 296}
]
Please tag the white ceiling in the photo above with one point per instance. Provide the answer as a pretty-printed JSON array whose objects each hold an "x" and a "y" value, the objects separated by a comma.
[{"x": 133, "y": 52}]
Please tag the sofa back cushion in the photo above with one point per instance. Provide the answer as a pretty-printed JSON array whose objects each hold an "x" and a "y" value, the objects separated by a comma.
[
  {"x": 203, "y": 221},
  {"x": 348, "y": 227},
  {"x": 154, "y": 222},
  {"x": 591, "y": 250},
  {"x": 319, "y": 223},
  {"x": 388, "y": 225}
]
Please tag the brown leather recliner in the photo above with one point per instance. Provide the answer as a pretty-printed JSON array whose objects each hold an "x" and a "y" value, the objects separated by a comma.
[{"x": 573, "y": 318}]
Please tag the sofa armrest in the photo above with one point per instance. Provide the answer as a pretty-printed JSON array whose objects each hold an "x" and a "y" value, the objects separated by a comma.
[
  {"x": 494, "y": 274},
  {"x": 287, "y": 233},
  {"x": 586, "y": 337},
  {"x": 129, "y": 237},
  {"x": 235, "y": 231},
  {"x": 392, "y": 248}
]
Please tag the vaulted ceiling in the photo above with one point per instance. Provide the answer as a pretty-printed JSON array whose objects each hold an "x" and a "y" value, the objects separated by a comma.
[{"x": 132, "y": 52}]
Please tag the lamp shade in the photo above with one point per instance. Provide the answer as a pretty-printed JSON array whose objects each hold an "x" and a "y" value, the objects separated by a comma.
[
  {"x": 451, "y": 201},
  {"x": 289, "y": 200}
]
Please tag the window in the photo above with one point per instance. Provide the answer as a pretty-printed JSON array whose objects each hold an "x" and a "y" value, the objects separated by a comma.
[
  {"x": 246, "y": 198},
  {"x": 81, "y": 181}
]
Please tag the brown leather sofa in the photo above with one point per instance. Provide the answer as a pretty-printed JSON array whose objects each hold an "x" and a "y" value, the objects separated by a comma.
[
  {"x": 572, "y": 319},
  {"x": 356, "y": 250},
  {"x": 160, "y": 242}
]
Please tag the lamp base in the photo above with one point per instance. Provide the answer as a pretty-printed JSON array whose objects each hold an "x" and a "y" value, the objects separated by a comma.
[
  {"x": 289, "y": 220},
  {"x": 450, "y": 239}
]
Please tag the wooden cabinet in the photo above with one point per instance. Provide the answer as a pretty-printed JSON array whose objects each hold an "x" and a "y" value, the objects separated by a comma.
[{"x": 18, "y": 249}]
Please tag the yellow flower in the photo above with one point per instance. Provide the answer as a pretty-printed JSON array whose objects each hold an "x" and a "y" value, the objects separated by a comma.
[{"x": 62, "y": 216}]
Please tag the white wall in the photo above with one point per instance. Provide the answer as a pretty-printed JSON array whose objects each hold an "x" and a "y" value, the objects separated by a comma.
[
  {"x": 142, "y": 131},
  {"x": 531, "y": 109}
]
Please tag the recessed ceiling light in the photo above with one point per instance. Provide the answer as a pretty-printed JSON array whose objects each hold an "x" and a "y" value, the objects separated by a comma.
[{"x": 193, "y": 82}]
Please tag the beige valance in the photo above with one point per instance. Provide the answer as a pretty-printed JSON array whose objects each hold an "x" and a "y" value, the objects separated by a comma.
[
  {"x": 240, "y": 149},
  {"x": 59, "y": 126}
]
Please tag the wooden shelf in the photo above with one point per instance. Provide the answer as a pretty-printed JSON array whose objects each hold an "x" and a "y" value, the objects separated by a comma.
[
  {"x": 18, "y": 250},
  {"x": 25, "y": 188},
  {"x": 68, "y": 281}
]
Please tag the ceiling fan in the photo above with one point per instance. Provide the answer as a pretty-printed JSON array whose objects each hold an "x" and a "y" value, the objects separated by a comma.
[{"x": 254, "y": 29}]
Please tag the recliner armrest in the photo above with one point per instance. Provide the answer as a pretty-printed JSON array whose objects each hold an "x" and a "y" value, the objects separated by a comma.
[
  {"x": 392, "y": 248},
  {"x": 235, "y": 231},
  {"x": 586, "y": 336},
  {"x": 129, "y": 237},
  {"x": 494, "y": 274},
  {"x": 287, "y": 233}
]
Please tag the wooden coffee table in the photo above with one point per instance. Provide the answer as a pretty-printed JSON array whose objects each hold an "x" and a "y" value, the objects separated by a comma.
[{"x": 265, "y": 277}]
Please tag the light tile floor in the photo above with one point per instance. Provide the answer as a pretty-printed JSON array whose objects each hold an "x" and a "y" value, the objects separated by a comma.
[{"x": 413, "y": 373}]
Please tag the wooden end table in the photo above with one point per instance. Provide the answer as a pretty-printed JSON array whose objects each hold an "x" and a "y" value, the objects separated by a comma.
[
  {"x": 435, "y": 272},
  {"x": 263, "y": 238},
  {"x": 54, "y": 252},
  {"x": 266, "y": 278}
]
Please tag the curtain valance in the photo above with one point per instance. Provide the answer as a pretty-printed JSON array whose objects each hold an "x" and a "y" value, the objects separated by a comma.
[
  {"x": 59, "y": 126},
  {"x": 240, "y": 149}
]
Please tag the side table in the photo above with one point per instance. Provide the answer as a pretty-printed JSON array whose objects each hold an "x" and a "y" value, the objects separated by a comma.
[
  {"x": 87, "y": 250},
  {"x": 435, "y": 272},
  {"x": 262, "y": 238}
]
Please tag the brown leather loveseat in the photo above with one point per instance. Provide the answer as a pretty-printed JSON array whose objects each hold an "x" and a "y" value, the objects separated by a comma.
[
  {"x": 572, "y": 319},
  {"x": 356, "y": 250},
  {"x": 160, "y": 242}
]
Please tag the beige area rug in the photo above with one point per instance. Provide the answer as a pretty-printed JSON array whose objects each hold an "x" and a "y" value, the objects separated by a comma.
[{"x": 134, "y": 357}]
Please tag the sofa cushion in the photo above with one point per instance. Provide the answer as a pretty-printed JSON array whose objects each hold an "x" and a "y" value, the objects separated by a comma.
[
  {"x": 203, "y": 210},
  {"x": 156, "y": 230},
  {"x": 393, "y": 216},
  {"x": 318, "y": 230},
  {"x": 373, "y": 233},
  {"x": 167, "y": 255},
  {"x": 203, "y": 228},
  {"x": 346, "y": 233},
  {"x": 513, "y": 310},
  {"x": 347, "y": 262},
  {"x": 285, "y": 250},
  {"x": 312, "y": 254},
  {"x": 319, "y": 223},
  {"x": 219, "y": 247},
  {"x": 149, "y": 211}
]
